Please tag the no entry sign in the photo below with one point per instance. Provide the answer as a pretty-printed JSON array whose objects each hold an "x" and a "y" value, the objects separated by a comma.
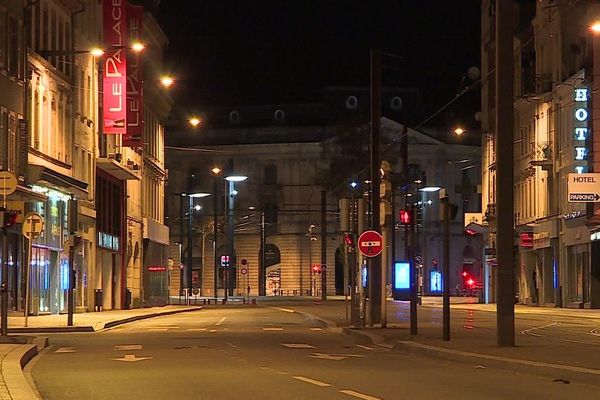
[{"x": 370, "y": 243}]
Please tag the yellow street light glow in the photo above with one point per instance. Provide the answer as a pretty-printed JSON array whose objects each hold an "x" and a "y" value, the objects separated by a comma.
[
  {"x": 194, "y": 122},
  {"x": 137, "y": 47},
  {"x": 216, "y": 170},
  {"x": 595, "y": 27},
  {"x": 166, "y": 81},
  {"x": 459, "y": 131},
  {"x": 97, "y": 52}
]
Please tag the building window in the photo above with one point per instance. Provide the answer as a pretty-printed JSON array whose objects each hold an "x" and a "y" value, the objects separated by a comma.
[
  {"x": 14, "y": 48},
  {"x": 3, "y": 38},
  {"x": 3, "y": 137},
  {"x": 270, "y": 174},
  {"x": 12, "y": 142}
]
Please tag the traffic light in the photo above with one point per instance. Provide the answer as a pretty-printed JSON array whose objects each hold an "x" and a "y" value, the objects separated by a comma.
[
  {"x": 349, "y": 240},
  {"x": 8, "y": 218},
  {"x": 316, "y": 269},
  {"x": 419, "y": 215},
  {"x": 225, "y": 261},
  {"x": 405, "y": 217}
]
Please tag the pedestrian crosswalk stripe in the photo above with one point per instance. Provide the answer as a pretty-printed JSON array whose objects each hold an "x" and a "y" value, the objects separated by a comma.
[
  {"x": 127, "y": 347},
  {"x": 298, "y": 345},
  {"x": 272, "y": 329}
]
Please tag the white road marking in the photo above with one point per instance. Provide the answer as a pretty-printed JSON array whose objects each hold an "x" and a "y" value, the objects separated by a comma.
[
  {"x": 213, "y": 330},
  {"x": 535, "y": 328},
  {"x": 272, "y": 329},
  {"x": 284, "y": 309},
  {"x": 65, "y": 350},
  {"x": 231, "y": 345},
  {"x": 316, "y": 329},
  {"x": 298, "y": 345},
  {"x": 158, "y": 329},
  {"x": 359, "y": 395},
  {"x": 131, "y": 358},
  {"x": 195, "y": 329},
  {"x": 221, "y": 321},
  {"x": 128, "y": 347},
  {"x": 365, "y": 347},
  {"x": 312, "y": 381},
  {"x": 595, "y": 332},
  {"x": 334, "y": 357}
]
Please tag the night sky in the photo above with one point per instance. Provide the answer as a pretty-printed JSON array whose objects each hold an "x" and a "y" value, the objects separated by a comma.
[{"x": 245, "y": 52}]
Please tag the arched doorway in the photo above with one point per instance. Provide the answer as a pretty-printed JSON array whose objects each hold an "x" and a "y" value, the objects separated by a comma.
[{"x": 271, "y": 271}]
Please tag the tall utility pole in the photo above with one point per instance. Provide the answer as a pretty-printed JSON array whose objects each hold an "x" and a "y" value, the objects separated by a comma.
[
  {"x": 324, "y": 245},
  {"x": 374, "y": 272},
  {"x": 181, "y": 252},
  {"x": 262, "y": 264},
  {"x": 504, "y": 173},
  {"x": 190, "y": 247},
  {"x": 446, "y": 271},
  {"x": 215, "y": 233}
]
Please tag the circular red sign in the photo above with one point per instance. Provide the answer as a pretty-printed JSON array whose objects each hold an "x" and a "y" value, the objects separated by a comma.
[
  {"x": 370, "y": 243},
  {"x": 243, "y": 271}
]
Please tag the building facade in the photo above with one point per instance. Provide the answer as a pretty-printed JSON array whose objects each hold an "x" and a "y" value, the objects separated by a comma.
[
  {"x": 553, "y": 138},
  {"x": 97, "y": 192}
]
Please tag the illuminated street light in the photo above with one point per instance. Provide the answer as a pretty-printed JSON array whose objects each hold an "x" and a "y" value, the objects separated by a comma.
[
  {"x": 353, "y": 184},
  {"x": 595, "y": 27},
  {"x": 97, "y": 52},
  {"x": 198, "y": 195},
  {"x": 236, "y": 178},
  {"x": 197, "y": 207},
  {"x": 137, "y": 47},
  {"x": 194, "y": 121},
  {"x": 430, "y": 189},
  {"x": 459, "y": 131},
  {"x": 216, "y": 170},
  {"x": 167, "y": 81}
]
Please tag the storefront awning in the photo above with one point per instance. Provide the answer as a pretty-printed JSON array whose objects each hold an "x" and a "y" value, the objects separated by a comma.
[
  {"x": 23, "y": 193},
  {"x": 118, "y": 170},
  {"x": 41, "y": 174}
]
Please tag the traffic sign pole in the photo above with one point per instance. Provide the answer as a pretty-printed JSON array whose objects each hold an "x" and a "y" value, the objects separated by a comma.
[{"x": 33, "y": 225}]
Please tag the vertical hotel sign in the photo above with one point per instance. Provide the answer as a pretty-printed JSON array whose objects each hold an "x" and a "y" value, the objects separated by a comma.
[
  {"x": 115, "y": 67},
  {"x": 581, "y": 131},
  {"x": 135, "y": 100}
]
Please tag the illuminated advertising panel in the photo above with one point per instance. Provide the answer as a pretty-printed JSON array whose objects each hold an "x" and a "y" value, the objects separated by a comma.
[{"x": 114, "y": 76}]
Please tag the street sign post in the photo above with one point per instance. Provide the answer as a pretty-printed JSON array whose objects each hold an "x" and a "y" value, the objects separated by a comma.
[
  {"x": 584, "y": 188},
  {"x": 33, "y": 226},
  {"x": 370, "y": 243},
  {"x": 8, "y": 185}
]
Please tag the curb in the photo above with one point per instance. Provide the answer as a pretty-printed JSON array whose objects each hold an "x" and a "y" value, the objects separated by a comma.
[
  {"x": 12, "y": 369},
  {"x": 112, "y": 324},
  {"x": 514, "y": 364},
  {"x": 100, "y": 327}
]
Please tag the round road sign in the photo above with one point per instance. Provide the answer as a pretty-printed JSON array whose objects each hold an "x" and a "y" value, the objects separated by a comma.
[
  {"x": 8, "y": 183},
  {"x": 370, "y": 243},
  {"x": 33, "y": 225},
  {"x": 243, "y": 271}
]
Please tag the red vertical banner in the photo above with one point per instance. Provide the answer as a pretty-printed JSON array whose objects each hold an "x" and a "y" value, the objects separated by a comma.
[
  {"x": 135, "y": 94},
  {"x": 115, "y": 66}
]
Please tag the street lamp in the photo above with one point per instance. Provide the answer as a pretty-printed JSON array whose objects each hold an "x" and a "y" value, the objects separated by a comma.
[
  {"x": 459, "y": 131},
  {"x": 191, "y": 208},
  {"x": 194, "y": 121},
  {"x": 230, "y": 192},
  {"x": 167, "y": 81}
]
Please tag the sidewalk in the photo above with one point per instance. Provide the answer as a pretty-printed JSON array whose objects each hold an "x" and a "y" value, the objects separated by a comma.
[
  {"x": 555, "y": 342},
  {"x": 89, "y": 321}
]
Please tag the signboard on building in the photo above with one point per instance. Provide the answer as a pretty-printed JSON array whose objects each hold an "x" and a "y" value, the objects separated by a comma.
[
  {"x": 581, "y": 131},
  {"x": 115, "y": 67},
  {"x": 473, "y": 218},
  {"x": 526, "y": 240},
  {"x": 584, "y": 188},
  {"x": 135, "y": 100}
]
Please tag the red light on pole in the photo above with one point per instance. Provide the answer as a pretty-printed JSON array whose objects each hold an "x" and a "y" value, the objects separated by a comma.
[{"x": 405, "y": 216}]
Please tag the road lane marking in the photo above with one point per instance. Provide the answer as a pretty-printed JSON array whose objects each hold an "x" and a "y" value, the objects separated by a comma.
[
  {"x": 365, "y": 347},
  {"x": 131, "y": 358},
  {"x": 213, "y": 330},
  {"x": 221, "y": 321},
  {"x": 312, "y": 381},
  {"x": 298, "y": 345},
  {"x": 231, "y": 345},
  {"x": 65, "y": 350},
  {"x": 595, "y": 332},
  {"x": 195, "y": 329},
  {"x": 158, "y": 329},
  {"x": 535, "y": 328},
  {"x": 316, "y": 329},
  {"x": 284, "y": 309},
  {"x": 125, "y": 347},
  {"x": 359, "y": 395},
  {"x": 272, "y": 329}
]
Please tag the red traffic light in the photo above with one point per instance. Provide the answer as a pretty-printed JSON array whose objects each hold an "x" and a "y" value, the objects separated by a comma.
[
  {"x": 405, "y": 216},
  {"x": 470, "y": 282},
  {"x": 8, "y": 218},
  {"x": 316, "y": 268},
  {"x": 464, "y": 274},
  {"x": 349, "y": 239}
]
